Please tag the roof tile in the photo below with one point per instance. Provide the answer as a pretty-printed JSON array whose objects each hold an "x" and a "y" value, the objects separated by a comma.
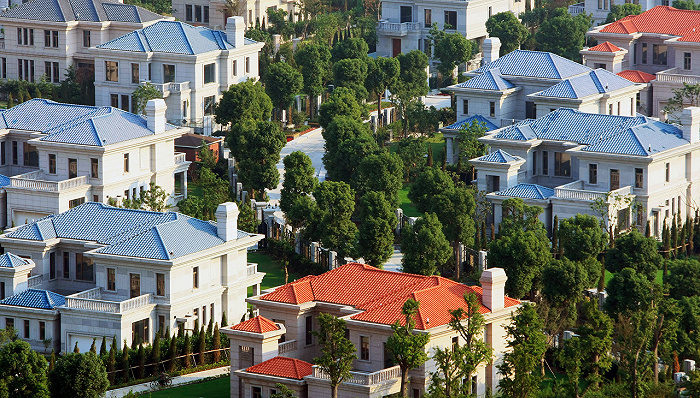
[
  {"x": 35, "y": 298},
  {"x": 472, "y": 119},
  {"x": 527, "y": 191},
  {"x": 290, "y": 368},
  {"x": 636, "y": 76},
  {"x": 259, "y": 324},
  {"x": 535, "y": 64},
  {"x": 660, "y": 19},
  {"x": 605, "y": 47}
]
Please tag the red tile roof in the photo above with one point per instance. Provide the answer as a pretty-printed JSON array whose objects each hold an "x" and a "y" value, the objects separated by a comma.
[
  {"x": 637, "y": 76},
  {"x": 282, "y": 367},
  {"x": 381, "y": 294},
  {"x": 195, "y": 140},
  {"x": 605, "y": 47},
  {"x": 259, "y": 324},
  {"x": 660, "y": 19}
]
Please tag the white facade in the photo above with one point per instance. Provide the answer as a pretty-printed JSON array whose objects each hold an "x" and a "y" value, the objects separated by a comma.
[{"x": 214, "y": 13}]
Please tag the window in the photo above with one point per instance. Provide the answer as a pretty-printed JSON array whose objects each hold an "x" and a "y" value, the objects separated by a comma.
[
  {"x": 25, "y": 36},
  {"x": 234, "y": 68},
  {"x": 204, "y": 315},
  {"x": 211, "y": 314},
  {"x": 668, "y": 172},
  {"x": 406, "y": 14},
  {"x": 610, "y": 109},
  {"x": 126, "y": 162},
  {"x": 95, "y": 198},
  {"x": 31, "y": 155},
  {"x": 150, "y": 70},
  {"x": 83, "y": 266},
  {"x": 450, "y": 19},
  {"x": 309, "y": 330},
  {"x": 86, "y": 38},
  {"x": 455, "y": 343},
  {"x": 614, "y": 179},
  {"x": 114, "y": 100},
  {"x": 640, "y": 215},
  {"x": 72, "y": 168},
  {"x": 639, "y": 178},
  {"x": 209, "y": 105},
  {"x": 75, "y": 202},
  {"x": 534, "y": 163},
  {"x": 659, "y": 55},
  {"x": 428, "y": 47},
  {"x": 4, "y": 67},
  {"x": 42, "y": 330},
  {"x": 125, "y": 103},
  {"x": 2, "y": 153},
  {"x": 47, "y": 38},
  {"x": 15, "y": 159},
  {"x": 634, "y": 52},
  {"x": 135, "y": 73},
  {"x": 530, "y": 110},
  {"x": 139, "y": 331},
  {"x": 134, "y": 285},
  {"x": 465, "y": 106},
  {"x": 597, "y": 65},
  {"x": 52, "y": 265},
  {"x": 188, "y": 12},
  {"x": 195, "y": 277},
  {"x": 111, "y": 279},
  {"x": 562, "y": 164},
  {"x": 545, "y": 162},
  {"x": 160, "y": 284},
  {"x": 198, "y": 13},
  {"x": 112, "y": 71},
  {"x": 25, "y": 69},
  {"x": 66, "y": 265},
  {"x": 94, "y": 168},
  {"x": 490, "y": 11},
  {"x": 593, "y": 174},
  {"x": 9, "y": 323},
  {"x": 428, "y": 18},
  {"x": 168, "y": 73},
  {"x": 256, "y": 392},
  {"x": 2, "y": 290},
  {"x": 686, "y": 61},
  {"x": 644, "y": 53},
  {"x": 161, "y": 324},
  {"x": 600, "y": 4},
  {"x": 247, "y": 64},
  {"x": 364, "y": 348},
  {"x": 205, "y": 12},
  {"x": 51, "y": 71},
  {"x": 209, "y": 73},
  {"x": 54, "y": 38},
  {"x": 492, "y": 109},
  {"x": 26, "y": 328}
]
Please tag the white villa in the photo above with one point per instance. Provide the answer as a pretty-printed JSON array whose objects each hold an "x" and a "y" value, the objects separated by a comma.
[
  {"x": 599, "y": 9},
  {"x": 214, "y": 13},
  {"x": 191, "y": 66},
  {"x": 97, "y": 270}
]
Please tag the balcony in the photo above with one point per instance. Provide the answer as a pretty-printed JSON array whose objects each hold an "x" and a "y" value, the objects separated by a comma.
[
  {"x": 576, "y": 9},
  {"x": 364, "y": 378},
  {"x": 287, "y": 347},
  {"x": 172, "y": 87},
  {"x": 35, "y": 281},
  {"x": 90, "y": 300},
  {"x": 509, "y": 122},
  {"x": 180, "y": 158},
  {"x": 251, "y": 269},
  {"x": 675, "y": 75},
  {"x": 574, "y": 190},
  {"x": 35, "y": 181},
  {"x": 396, "y": 28}
]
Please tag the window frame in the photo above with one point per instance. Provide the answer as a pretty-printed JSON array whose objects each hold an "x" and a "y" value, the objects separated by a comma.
[
  {"x": 94, "y": 168},
  {"x": 448, "y": 19},
  {"x": 593, "y": 173},
  {"x": 160, "y": 284},
  {"x": 365, "y": 348},
  {"x": 195, "y": 277},
  {"x": 87, "y": 40},
  {"x": 638, "y": 178},
  {"x": 170, "y": 76},
  {"x": 126, "y": 162},
  {"x": 112, "y": 71},
  {"x": 111, "y": 279},
  {"x": 212, "y": 73},
  {"x": 135, "y": 73}
]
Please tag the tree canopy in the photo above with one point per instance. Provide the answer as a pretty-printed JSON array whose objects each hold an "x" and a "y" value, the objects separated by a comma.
[
  {"x": 342, "y": 102},
  {"x": 142, "y": 95},
  {"x": 241, "y": 102},
  {"x": 451, "y": 49},
  {"x": 79, "y": 376},
  {"x": 634, "y": 250},
  {"x": 406, "y": 346},
  {"x": 337, "y": 352},
  {"x": 380, "y": 172},
  {"x": 563, "y": 34},
  {"x": 619, "y": 11},
  {"x": 22, "y": 371},
  {"x": 508, "y": 29},
  {"x": 582, "y": 237},
  {"x": 351, "y": 73},
  {"x": 282, "y": 84},
  {"x": 425, "y": 248}
]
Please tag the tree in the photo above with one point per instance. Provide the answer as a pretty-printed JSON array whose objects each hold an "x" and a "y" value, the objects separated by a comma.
[
  {"x": 430, "y": 182},
  {"x": 256, "y": 147},
  {"x": 688, "y": 95},
  {"x": 337, "y": 352},
  {"x": 508, "y": 29},
  {"x": 79, "y": 376},
  {"x": 93, "y": 347},
  {"x": 22, "y": 371},
  {"x": 314, "y": 61},
  {"x": 382, "y": 73},
  {"x": 335, "y": 204},
  {"x": 596, "y": 336},
  {"x": 469, "y": 145},
  {"x": 451, "y": 49},
  {"x": 375, "y": 238},
  {"x": 142, "y": 95},
  {"x": 216, "y": 343},
  {"x": 680, "y": 4},
  {"x": 348, "y": 142},
  {"x": 201, "y": 346},
  {"x": 633, "y": 250},
  {"x": 380, "y": 172},
  {"x": 520, "y": 373},
  {"x": 684, "y": 278},
  {"x": 243, "y": 101},
  {"x": 155, "y": 353},
  {"x": 217, "y": 190},
  {"x": 111, "y": 362},
  {"x": 282, "y": 84},
  {"x": 563, "y": 34},
  {"x": 124, "y": 364},
  {"x": 153, "y": 199},
  {"x": 103, "y": 346},
  {"x": 342, "y": 102},
  {"x": 205, "y": 156},
  {"x": 570, "y": 358},
  {"x": 283, "y": 392},
  {"x": 619, "y": 11},
  {"x": 299, "y": 182},
  {"x": 412, "y": 151},
  {"x": 140, "y": 362},
  {"x": 563, "y": 283},
  {"x": 405, "y": 345},
  {"x": 424, "y": 246},
  {"x": 412, "y": 82},
  {"x": 350, "y": 73},
  {"x": 455, "y": 210},
  {"x": 349, "y": 48},
  {"x": 582, "y": 237},
  {"x": 627, "y": 291},
  {"x": 172, "y": 354}
]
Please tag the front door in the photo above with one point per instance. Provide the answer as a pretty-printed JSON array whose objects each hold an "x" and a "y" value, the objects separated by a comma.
[{"x": 396, "y": 47}]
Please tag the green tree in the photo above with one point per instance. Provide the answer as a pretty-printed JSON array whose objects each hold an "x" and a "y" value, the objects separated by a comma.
[
  {"x": 469, "y": 145},
  {"x": 350, "y": 73},
  {"x": 243, "y": 101},
  {"x": 349, "y": 48},
  {"x": 412, "y": 82},
  {"x": 680, "y": 4},
  {"x": 508, "y": 29},
  {"x": 172, "y": 354},
  {"x": 348, "y": 142},
  {"x": 684, "y": 278},
  {"x": 201, "y": 346},
  {"x": 79, "y": 376},
  {"x": 337, "y": 352},
  {"x": 314, "y": 61},
  {"x": 142, "y": 95},
  {"x": 22, "y": 371},
  {"x": 140, "y": 363},
  {"x": 337, "y": 203},
  {"x": 582, "y": 237},
  {"x": 633, "y": 250},
  {"x": 283, "y": 392},
  {"x": 619, "y": 11},
  {"x": 382, "y": 73},
  {"x": 216, "y": 343},
  {"x": 430, "y": 183},
  {"x": 204, "y": 207},
  {"x": 205, "y": 156},
  {"x": 424, "y": 246},
  {"x": 299, "y": 182},
  {"x": 520, "y": 369},
  {"x": 380, "y": 172},
  {"x": 111, "y": 362},
  {"x": 342, "y": 102},
  {"x": 686, "y": 96},
  {"x": 455, "y": 210},
  {"x": 282, "y": 84},
  {"x": 570, "y": 358},
  {"x": 405, "y": 345},
  {"x": 451, "y": 49},
  {"x": 596, "y": 336},
  {"x": 627, "y": 291},
  {"x": 103, "y": 346},
  {"x": 563, "y": 34},
  {"x": 412, "y": 151},
  {"x": 155, "y": 353},
  {"x": 124, "y": 363},
  {"x": 375, "y": 238}
]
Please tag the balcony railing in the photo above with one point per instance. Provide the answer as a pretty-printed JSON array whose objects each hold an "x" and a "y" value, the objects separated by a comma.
[
  {"x": 362, "y": 378},
  {"x": 251, "y": 269},
  {"x": 33, "y": 180},
  {"x": 399, "y": 28},
  {"x": 576, "y": 9},
  {"x": 35, "y": 281},
  {"x": 90, "y": 300},
  {"x": 672, "y": 76},
  {"x": 180, "y": 157},
  {"x": 167, "y": 88},
  {"x": 287, "y": 347},
  {"x": 508, "y": 122},
  {"x": 574, "y": 190}
]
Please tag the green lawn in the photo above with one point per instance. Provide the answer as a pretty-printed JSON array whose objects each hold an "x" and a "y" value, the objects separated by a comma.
[
  {"x": 274, "y": 273},
  {"x": 409, "y": 209},
  {"x": 217, "y": 388},
  {"x": 659, "y": 276}
]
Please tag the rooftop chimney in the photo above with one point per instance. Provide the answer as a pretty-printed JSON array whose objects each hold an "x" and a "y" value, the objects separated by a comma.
[
  {"x": 155, "y": 115},
  {"x": 492, "y": 47},
  {"x": 493, "y": 283},
  {"x": 235, "y": 29},
  {"x": 690, "y": 119},
  {"x": 227, "y": 221}
]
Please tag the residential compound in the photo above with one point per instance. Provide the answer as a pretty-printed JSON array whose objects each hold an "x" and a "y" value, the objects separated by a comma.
[
  {"x": 635, "y": 169},
  {"x": 214, "y": 13},
  {"x": 191, "y": 66},
  {"x": 662, "y": 41},
  {"x": 279, "y": 345},
  {"x": 599, "y": 9},
  {"x": 404, "y": 25},
  {"x": 530, "y": 84},
  {"x": 57, "y": 156},
  {"x": 97, "y": 270},
  {"x": 45, "y": 37}
]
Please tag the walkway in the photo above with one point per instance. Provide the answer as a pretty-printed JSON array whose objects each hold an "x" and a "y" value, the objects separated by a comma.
[{"x": 186, "y": 379}]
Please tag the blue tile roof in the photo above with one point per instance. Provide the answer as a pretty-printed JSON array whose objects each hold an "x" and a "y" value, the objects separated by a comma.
[
  {"x": 624, "y": 135},
  {"x": 127, "y": 232},
  {"x": 9, "y": 260},
  {"x": 80, "y": 10},
  {"x": 172, "y": 37},
  {"x": 75, "y": 124},
  {"x": 4, "y": 180},
  {"x": 35, "y": 298},
  {"x": 499, "y": 156},
  {"x": 535, "y": 64},
  {"x": 598, "y": 81},
  {"x": 489, "y": 80},
  {"x": 471, "y": 119},
  {"x": 527, "y": 191}
]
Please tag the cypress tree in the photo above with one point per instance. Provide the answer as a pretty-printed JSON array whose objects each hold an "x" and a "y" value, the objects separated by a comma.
[
  {"x": 444, "y": 163},
  {"x": 430, "y": 156},
  {"x": 172, "y": 354},
  {"x": 76, "y": 349},
  {"x": 691, "y": 235},
  {"x": 155, "y": 354},
  {"x": 93, "y": 348},
  {"x": 555, "y": 235},
  {"x": 52, "y": 361},
  {"x": 201, "y": 346},
  {"x": 180, "y": 332},
  {"x": 493, "y": 232},
  {"x": 10, "y": 101},
  {"x": 647, "y": 230},
  {"x": 210, "y": 327},
  {"x": 216, "y": 344},
  {"x": 188, "y": 351},
  {"x": 666, "y": 240},
  {"x": 681, "y": 239},
  {"x": 103, "y": 346},
  {"x": 483, "y": 233},
  {"x": 141, "y": 358},
  {"x": 224, "y": 322},
  {"x": 112, "y": 362},
  {"x": 125, "y": 363}
]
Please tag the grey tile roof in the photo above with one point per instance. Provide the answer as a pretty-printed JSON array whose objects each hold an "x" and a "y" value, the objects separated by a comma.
[
  {"x": 9, "y": 260},
  {"x": 80, "y": 10},
  {"x": 35, "y": 298},
  {"x": 527, "y": 191},
  {"x": 535, "y": 64},
  {"x": 598, "y": 81},
  {"x": 489, "y": 80},
  {"x": 499, "y": 156},
  {"x": 471, "y": 119}
]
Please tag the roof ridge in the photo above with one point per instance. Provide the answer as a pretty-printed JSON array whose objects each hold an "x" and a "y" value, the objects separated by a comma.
[
  {"x": 94, "y": 131},
  {"x": 160, "y": 240},
  {"x": 187, "y": 39},
  {"x": 138, "y": 14},
  {"x": 60, "y": 10}
]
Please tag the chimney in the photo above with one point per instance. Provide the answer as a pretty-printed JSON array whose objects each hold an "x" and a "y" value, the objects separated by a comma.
[
  {"x": 155, "y": 115},
  {"x": 235, "y": 29},
  {"x": 227, "y": 221},
  {"x": 690, "y": 119},
  {"x": 491, "y": 47},
  {"x": 493, "y": 283}
]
